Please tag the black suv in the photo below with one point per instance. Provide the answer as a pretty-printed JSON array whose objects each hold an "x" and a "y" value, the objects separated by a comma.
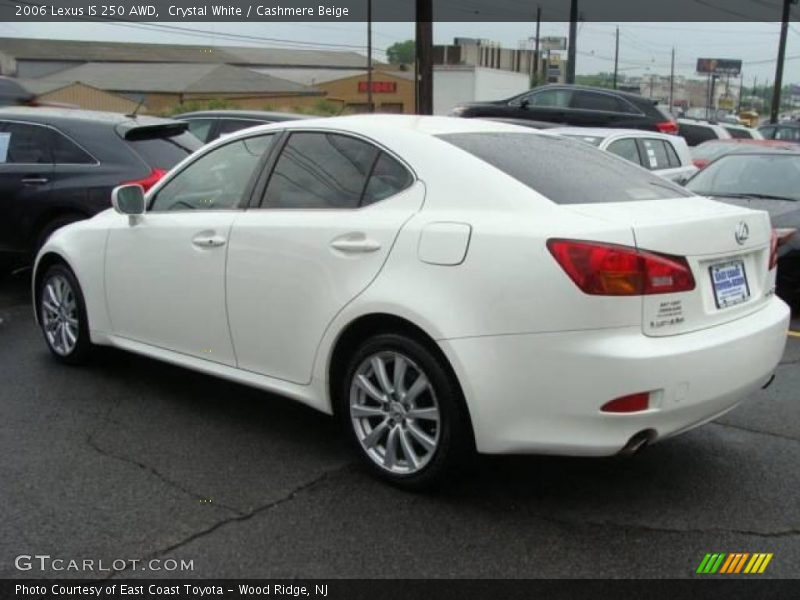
[
  {"x": 208, "y": 125},
  {"x": 60, "y": 165},
  {"x": 576, "y": 105}
]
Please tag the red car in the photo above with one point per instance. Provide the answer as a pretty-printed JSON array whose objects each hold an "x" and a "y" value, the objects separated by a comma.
[{"x": 713, "y": 149}]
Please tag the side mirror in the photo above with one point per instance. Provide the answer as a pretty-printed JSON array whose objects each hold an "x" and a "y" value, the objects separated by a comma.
[
  {"x": 524, "y": 104},
  {"x": 129, "y": 200}
]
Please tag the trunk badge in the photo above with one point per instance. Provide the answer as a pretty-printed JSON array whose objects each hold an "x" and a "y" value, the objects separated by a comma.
[{"x": 742, "y": 233}]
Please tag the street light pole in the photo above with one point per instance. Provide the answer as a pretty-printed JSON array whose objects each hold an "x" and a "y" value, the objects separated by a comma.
[
  {"x": 370, "y": 106},
  {"x": 424, "y": 68},
  {"x": 616, "y": 59},
  {"x": 776, "y": 90},
  {"x": 573, "y": 38},
  {"x": 535, "y": 76}
]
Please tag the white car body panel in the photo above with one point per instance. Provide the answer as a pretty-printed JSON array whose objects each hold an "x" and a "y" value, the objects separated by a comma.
[{"x": 535, "y": 357}]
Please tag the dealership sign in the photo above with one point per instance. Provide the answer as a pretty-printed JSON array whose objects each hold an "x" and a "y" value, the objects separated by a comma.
[
  {"x": 378, "y": 87},
  {"x": 719, "y": 66},
  {"x": 552, "y": 43}
]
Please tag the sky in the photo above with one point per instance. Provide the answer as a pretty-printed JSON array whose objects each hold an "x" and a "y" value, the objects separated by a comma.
[{"x": 644, "y": 47}]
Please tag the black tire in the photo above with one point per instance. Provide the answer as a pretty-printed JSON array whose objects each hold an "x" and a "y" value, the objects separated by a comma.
[
  {"x": 53, "y": 225},
  {"x": 81, "y": 350},
  {"x": 454, "y": 443}
]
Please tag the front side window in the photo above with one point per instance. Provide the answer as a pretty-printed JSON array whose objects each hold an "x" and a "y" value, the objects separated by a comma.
[
  {"x": 217, "y": 180},
  {"x": 320, "y": 170},
  {"x": 626, "y": 148},
  {"x": 547, "y": 98}
]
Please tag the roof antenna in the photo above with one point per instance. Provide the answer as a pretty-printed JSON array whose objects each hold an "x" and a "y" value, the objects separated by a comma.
[{"x": 136, "y": 110}]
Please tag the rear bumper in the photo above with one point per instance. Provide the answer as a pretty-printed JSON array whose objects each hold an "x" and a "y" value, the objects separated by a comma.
[{"x": 542, "y": 392}]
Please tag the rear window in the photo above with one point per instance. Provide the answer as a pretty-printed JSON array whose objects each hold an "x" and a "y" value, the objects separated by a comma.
[
  {"x": 563, "y": 170},
  {"x": 165, "y": 152},
  {"x": 696, "y": 134},
  {"x": 739, "y": 133}
]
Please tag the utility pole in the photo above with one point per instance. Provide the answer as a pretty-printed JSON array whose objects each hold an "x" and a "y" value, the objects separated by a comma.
[
  {"x": 573, "y": 38},
  {"x": 616, "y": 58},
  {"x": 424, "y": 65},
  {"x": 672, "y": 81},
  {"x": 535, "y": 76},
  {"x": 776, "y": 90},
  {"x": 370, "y": 106}
]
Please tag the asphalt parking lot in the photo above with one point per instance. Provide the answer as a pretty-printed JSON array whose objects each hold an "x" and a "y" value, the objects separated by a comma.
[{"x": 130, "y": 459}]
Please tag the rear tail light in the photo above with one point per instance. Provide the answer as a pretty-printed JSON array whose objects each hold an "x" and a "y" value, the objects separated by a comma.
[
  {"x": 628, "y": 404},
  {"x": 700, "y": 162},
  {"x": 147, "y": 182},
  {"x": 667, "y": 127},
  {"x": 604, "y": 269},
  {"x": 773, "y": 250}
]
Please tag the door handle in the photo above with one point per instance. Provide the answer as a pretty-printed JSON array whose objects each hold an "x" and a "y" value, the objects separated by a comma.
[
  {"x": 351, "y": 244},
  {"x": 208, "y": 241},
  {"x": 34, "y": 180}
]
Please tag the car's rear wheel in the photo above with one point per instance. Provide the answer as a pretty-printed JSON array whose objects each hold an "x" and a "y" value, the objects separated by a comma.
[
  {"x": 62, "y": 315},
  {"x": 401, "y": 407}
]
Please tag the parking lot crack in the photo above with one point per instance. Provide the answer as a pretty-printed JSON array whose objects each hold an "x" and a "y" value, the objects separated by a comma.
[
  {"x": 757, "y": 431},
  {"x": 241, "y": 517},
  {"x": 153, "y": 471}
]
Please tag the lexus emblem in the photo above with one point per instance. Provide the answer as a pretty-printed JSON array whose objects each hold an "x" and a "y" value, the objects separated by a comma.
[{"x": 742, "y": 233}]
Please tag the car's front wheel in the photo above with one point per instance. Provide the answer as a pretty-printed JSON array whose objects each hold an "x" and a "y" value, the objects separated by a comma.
[
  {"x": 62, "y": 315},
  {"x": 401, "y": 407}
]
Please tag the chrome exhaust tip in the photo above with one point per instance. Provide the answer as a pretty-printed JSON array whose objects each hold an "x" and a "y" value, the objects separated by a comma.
[
  {"x": 637, "y": 442},
  {"x": 768, "y": 382}
]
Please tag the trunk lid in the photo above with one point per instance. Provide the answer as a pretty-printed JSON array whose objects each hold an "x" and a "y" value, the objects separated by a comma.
[{"x": 727, "y": 248}]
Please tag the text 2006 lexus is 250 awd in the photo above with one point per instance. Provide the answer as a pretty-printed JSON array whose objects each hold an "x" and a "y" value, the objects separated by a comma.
[{"x": 442, "y": 285}]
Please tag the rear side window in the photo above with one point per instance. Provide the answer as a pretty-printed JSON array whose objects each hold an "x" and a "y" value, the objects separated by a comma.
[
  {"x": 767, "y": 132},
  {"x": 165, "y": 152},
  {"x": 593, "y": 101},
  {"x": 655, "y": 154},
  {"x": 627, "y": 149},
  {"x": 696, "y": 134},
  {"x": 320, "y": 170},
  {"x": 66, "y": 152},
  {"x": 738, "y": 133},
  {"x": 201, "y": 128},
  {"x": 563, "y": 170},
  {"x": 672, "y": 155},
  {"x": 21, "y": 143},
  {"x": 791, "y": 134},
  {"x": 388, "y": 178},
  {"x": 227, "y": 126}
]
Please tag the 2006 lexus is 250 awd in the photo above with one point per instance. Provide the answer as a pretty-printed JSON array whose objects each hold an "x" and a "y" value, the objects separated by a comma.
[{"x": 442, "y": 285}]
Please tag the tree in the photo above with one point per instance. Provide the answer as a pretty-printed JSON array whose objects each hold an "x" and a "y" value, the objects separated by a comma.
[{"x": 401, "y": 53}]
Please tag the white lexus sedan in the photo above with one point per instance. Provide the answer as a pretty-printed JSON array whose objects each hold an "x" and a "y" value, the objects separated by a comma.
[{"x": 441, "y": 285}]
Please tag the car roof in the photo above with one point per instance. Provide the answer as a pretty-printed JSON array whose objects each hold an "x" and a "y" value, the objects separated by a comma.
[
  {"x": 589, "y": 88},
  {"x": 763, "y": 152},
  {"x": 424, "y": 125},
  {"x": 244, "y": 114},
  {"x": 750, "y": 142},
  {"x": 54, "y": 116},
  {"x": 605, "y": 132}
]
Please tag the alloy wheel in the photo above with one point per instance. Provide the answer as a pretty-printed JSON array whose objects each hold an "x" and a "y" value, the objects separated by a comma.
[
  {"x": 59, "y": 314},
  {"x": 394, "y": 412}
]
